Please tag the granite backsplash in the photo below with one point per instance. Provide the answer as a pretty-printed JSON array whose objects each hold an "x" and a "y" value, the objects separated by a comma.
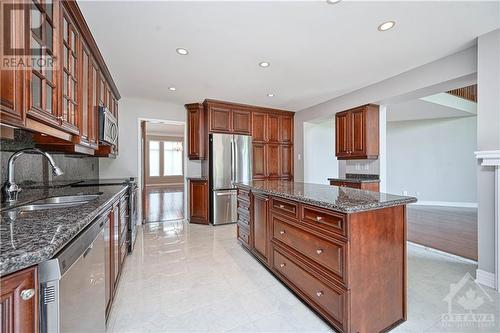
[{"x": 34, "y": 167}]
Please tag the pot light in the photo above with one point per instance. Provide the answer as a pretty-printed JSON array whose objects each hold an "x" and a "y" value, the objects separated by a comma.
[
  {"x": 332, "y": 2},
  {"x": 264, "y": 64},
  {"x": 181, "y": 51},
  {"x": 386, "y": 26},
  {"x": 270, "y": 95},
  {"x": 172, "y": 88}
]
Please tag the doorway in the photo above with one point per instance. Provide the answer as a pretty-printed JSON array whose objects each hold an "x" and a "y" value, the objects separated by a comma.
[{"x": 163, "y": 170}]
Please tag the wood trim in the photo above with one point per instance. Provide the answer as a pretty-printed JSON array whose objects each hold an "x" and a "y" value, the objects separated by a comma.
[
  {"x": 36, "y": 126},
  {"x": 74, "y": 10},
  {"x": 214, "y": 102}
]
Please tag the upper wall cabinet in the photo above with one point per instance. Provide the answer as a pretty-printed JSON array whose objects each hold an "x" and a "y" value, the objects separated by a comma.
[
  {"x": 242, "y": 122},
  {"x": 357, "y": 133},
  {"x": 63, "y": 79},
  {"x": 220, "y": 119},
  {"x": 196, "y": 130}
]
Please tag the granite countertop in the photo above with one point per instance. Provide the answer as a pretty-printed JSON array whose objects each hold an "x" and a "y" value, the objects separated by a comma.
[
  {"x": 340, "y": 199},
  {"x": 31, "y": 237},
  {"x": 357, "y": 178}
]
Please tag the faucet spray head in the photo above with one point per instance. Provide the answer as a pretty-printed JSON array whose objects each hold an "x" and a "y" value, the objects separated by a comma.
[{"x": 56, "y": 171}]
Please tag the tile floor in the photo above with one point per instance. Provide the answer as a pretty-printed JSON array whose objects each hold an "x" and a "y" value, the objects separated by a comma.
[{"x": 193, "y": 278}]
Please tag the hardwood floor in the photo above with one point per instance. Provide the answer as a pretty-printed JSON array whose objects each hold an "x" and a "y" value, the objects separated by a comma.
[
  {"x": 449, "y": 229},
  {"x": 164, "y": 203}
]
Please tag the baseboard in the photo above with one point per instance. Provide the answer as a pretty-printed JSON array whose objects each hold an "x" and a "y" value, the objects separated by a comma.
[
  {"x": 446, "y": 204},
  {"x": 454, "y": 256},
  {"x": 485, "y": 278}
]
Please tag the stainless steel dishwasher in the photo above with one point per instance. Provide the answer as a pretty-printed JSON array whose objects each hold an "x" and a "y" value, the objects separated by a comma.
[{"x": 72, "y": 285}]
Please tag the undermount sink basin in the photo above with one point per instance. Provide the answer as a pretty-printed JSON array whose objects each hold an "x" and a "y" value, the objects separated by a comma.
[{"x": 58, "y": 202}]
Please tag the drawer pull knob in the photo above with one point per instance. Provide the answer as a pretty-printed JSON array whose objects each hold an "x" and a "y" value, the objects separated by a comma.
[
  {"x": 282, "y": 265},
  {"x": 282, "y": 232},
  {"x": 27, "y": 294},
  {"x": 282, "y": 206},
  {"x": 320, "y": 293},
  {"x": 319, "y": 251},
  {"x": 319, "y": 218}
]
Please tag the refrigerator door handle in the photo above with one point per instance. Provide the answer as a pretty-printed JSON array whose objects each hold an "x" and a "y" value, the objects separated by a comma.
[{"x": 233, "y": 161}]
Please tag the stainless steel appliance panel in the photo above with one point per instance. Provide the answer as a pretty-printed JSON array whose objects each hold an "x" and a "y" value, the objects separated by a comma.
[
  {"x": 242, "y": 158},
  {"x": 221, "y": 155},
  {"x": 224, "y": 206}
]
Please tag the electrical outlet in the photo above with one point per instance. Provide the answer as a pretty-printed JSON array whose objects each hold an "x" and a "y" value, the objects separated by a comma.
[{"x": 299, "y": 156}]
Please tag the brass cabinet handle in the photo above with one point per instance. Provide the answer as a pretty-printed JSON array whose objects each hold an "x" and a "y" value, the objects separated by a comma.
[
  {"x": 320, "y": 293},
  {"x": 27, "y": 294},
  {"x": 282, "y": 265},
  {"x": 319, "y": 251},
  {"x": 318, "y": 218},
  {"x": 282, "y": 232}
]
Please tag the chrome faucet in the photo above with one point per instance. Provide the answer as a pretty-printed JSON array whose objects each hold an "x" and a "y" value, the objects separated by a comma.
[{"x": 10, "y": 189}]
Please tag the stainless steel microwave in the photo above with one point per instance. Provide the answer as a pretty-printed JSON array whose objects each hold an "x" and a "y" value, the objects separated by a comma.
[{"x": 108, "y": 127}]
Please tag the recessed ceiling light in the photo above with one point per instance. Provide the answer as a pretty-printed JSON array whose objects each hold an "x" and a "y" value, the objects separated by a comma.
[
  {"x": 181, "y": 51},
  {"x": 332, "y": 2},
  {"x": 264, "y": 64},
  {"x": 270, "y": 95},
  {"x": 172, "y": 88},
  {"x": 386, "y": 25}
]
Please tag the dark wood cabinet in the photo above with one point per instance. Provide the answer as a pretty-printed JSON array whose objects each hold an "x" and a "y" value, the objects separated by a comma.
[
  {"x": 244, "y": 218},
  {"x": 369, "y": 186},
  {"x": 196, "y": 131},
  {"x": 259, "y": 160},
  {"x": 242, "y": 122},
  {"x": 273, "y": 128},
  {"x": 286, "y": 161},
  {"x": 108, "y": 260},
  {"x": 115, "y": 245},
  {"x": 260, "y": 226},
  {"x": 259, "y": 127},
  {"x": 273, "y": 161},
  {"x": 198, "y": 201},
  {"x": 220, "y": 119},
  {"x": 19, "y": 294},
  {"x": 357, "y": 133}
]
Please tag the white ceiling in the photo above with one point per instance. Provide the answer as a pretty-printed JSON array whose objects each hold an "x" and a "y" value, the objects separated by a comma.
[
  {"x": 164, "y": 129},
  {"x": 317, "y": 51}
]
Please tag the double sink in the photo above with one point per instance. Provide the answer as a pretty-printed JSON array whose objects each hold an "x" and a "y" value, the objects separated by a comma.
[{"x": 58, "y": 202}]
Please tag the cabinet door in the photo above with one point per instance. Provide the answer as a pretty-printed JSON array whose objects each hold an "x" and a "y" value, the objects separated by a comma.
[
  {"x": 286, "y": 129},
  {"x": 273, "y": 126},
  {"x": 116, "y": 245},
  {"x": 41, "y": 82},
  {"x": 108, "y": 260},
  {"x": 259, "y": 127},
  {"x": 342, "y": 134},
  {"x": 242, "y": 122},
  {"x": 11, "y": 81},
  {"x": 260, "y": 226},
  {"x": 195, "y": 128},
  {"x": 70, "y": 75},
  {"x": 94, "y": 104},
  {"x": 84, "y": 112},
  {"x": 220, "y": 119},
  {"x": 358, "y": 134},
  {"x": 273, "y": 161},
  {"x": 286, "y": 155},
  {"x": 19, "y": 302},
  {"x": 198, "y": 201},
  {"x": 259, "y": 160}
]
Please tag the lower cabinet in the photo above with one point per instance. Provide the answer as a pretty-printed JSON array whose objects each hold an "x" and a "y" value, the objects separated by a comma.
[
  {"x": 198, "y": 201},
  {"x": 19, "y": 302},
  {"x": 260, "y": 226}
]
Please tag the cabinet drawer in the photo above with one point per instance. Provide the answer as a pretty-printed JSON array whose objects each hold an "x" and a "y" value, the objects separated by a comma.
[
  {"x": 243, "y": 218},
  {"x": 245, "y": 205},
  {"x": 332, "y": 301},
  {"x": 285, "y": 207},
  {"x": 243, "y": 235},
  {"x": 329, "y": 254},
  {"x": 322, "y": 219},
  {"x": 244, "y": 195}
]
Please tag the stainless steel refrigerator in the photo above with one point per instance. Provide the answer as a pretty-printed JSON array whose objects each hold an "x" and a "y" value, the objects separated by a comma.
[{"x": 230, "y": 162}]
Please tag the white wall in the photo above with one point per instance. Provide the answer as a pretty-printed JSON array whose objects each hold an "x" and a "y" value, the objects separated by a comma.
[
  {"x": 433, "y": 159},
  {"x": 454, "y": 71},
  {"x": 488, "y": 138},
  {"x": 319, "y": 158}
]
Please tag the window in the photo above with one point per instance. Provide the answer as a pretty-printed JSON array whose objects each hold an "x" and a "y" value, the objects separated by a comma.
[
  {"x": 165, "y": 158},
  {"x": 172, "y": 158}
]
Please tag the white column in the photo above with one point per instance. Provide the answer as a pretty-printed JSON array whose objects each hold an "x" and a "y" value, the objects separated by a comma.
[{"x": 383, "y": 148}]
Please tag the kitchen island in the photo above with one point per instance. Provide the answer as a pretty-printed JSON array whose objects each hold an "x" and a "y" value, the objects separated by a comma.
[{"x": 341, "y": 250}]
